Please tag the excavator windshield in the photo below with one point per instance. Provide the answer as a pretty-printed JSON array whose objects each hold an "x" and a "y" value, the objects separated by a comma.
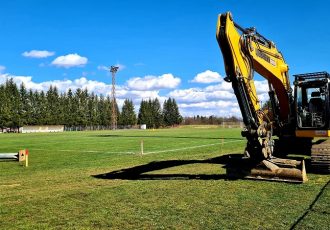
[{"x": 312, "y": 101}]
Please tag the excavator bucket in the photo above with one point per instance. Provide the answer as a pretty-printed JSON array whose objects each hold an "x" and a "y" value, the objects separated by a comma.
[{"x": 275, "y": 169}]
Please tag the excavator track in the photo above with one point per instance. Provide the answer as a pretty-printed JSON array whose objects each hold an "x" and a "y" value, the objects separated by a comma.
[{"x": 320, "y": 157}]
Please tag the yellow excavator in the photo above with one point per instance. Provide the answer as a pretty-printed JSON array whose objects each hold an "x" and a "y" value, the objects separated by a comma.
[{"x": 297, "y": 121}]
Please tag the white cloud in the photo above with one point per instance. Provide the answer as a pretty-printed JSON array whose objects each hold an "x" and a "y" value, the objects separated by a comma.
[
  {"x": 261, "y": 86},
  {"x": 18, "y": 80},
  {"x": 207, "y": 77},
  {"x": 122, "y": 92},
  {"x": 217, "y": 99},
  {"x": 210, "y": 104},
  {"x": 62, "y": 85},
  {"x": 226, "y": 86},
  {"x": 262, "y": 91},
  {"x": 165, "y": 81},
  {"x": 70, "y": 60},
  {"x": 38, "y": 54},
  {"x": 201, "y": 95},
  {"x": 215, "y": 108},
  {"x": 188, "y": 95}
]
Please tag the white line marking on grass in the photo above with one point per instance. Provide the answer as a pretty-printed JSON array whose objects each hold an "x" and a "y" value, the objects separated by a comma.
[
  {"x": 117, "y": 152},
  {"x": 146, "y": 153},
  {"x": 86, "y": 151},
  {"x": 191, "y": 147}
]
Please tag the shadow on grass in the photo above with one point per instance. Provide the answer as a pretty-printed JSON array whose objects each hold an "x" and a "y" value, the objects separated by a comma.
[
  {"x": 140, "y": 172},
  {"x": 175, "y": 137},
  {"x": 311, "y": 206}
]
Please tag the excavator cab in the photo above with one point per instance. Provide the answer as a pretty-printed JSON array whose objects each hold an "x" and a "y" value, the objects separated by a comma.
[{"x": 312, "y": 102}]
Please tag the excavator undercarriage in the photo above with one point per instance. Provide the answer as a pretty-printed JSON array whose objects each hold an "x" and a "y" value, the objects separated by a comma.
[
  {"x": 320, "y": 157},
  {"x": 262, "y": 161}
]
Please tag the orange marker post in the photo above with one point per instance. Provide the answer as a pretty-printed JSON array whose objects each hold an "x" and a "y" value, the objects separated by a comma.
[
  {"x": 23, "y": 155},
  {"x": 26, "y": 157}
]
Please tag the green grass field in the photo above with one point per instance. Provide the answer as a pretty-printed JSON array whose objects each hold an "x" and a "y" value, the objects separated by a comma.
[{"x": 99, "y": 180}]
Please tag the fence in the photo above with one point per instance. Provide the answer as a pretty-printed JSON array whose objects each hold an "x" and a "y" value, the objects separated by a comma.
[
  {"x": 230, "y": 124},
  {"x": 98, "y": 127},
  {"x": 62, "y": 128},
  {"x": 42, "y": 129}
]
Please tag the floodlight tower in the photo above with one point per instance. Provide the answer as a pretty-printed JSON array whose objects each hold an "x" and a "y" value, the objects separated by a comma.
[{"x": 113, "y": 70}]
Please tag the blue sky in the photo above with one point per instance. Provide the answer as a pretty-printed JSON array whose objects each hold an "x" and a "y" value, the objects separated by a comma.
[{"x": 164, "y": 48}]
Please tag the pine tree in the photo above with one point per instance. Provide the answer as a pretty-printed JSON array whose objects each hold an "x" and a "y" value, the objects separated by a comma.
[
  {"x": 128, "y": 116},
  {"x": 156, "y": 113},
  {"x": 13, "y": 104},
  {"x": 81, "y": 97},
  {"x": 171, "y": 113},
  {"x": 166, "y": 113},
  {"x": 43, "y": 117},
  {"x": 69, "y": 109},
  {"x": 56, "y": 106},
  {"x": 150, "y": 120},
  {"x": 142, "y": 115},
  {"x": 20, "y": 107},
  {"x": 92, "y": 110},
  {"x": 30, "y": 108},
  {"x": 35, "y": 117},
  {"x": 53, "y": 106},
  {"x": 23, "y": 106},
  {"x": 49, "y": 110},
  {"x": 97, "y": 113},
  {"x": 4, "y": 109},
  {"x": 102, "y": 111},
  {"x": 61, "y": 109},
  {"x": 108, "y": 112},
  {"x": 177, "y": 116}
]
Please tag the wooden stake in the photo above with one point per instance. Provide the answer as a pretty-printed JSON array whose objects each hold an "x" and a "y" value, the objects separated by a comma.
[{"x": 141, "y": 148}]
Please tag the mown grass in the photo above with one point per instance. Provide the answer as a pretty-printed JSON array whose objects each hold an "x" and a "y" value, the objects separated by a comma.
[{"x": 58, "y": 190}]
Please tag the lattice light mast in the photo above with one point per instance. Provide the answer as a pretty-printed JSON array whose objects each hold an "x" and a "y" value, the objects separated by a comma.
[{"x": 113, "y": 70}]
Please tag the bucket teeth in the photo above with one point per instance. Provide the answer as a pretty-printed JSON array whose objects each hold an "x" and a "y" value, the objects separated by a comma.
[{"x": 277, "y": 169}]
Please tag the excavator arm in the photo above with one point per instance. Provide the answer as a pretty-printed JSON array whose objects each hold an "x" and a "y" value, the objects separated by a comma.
[{"x": 245, "y": 51}]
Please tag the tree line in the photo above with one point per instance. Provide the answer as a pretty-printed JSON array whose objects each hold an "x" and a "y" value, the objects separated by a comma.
[
  {"x": 210, "y": 120},
  {"x": 20, "y": 106}
]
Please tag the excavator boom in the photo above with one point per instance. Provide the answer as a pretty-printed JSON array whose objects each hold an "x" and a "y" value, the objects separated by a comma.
[{"x": 245, "y": 51}]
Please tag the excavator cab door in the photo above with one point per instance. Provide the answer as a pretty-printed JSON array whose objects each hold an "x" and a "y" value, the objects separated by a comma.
[{"x": 312, "y": 101}]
